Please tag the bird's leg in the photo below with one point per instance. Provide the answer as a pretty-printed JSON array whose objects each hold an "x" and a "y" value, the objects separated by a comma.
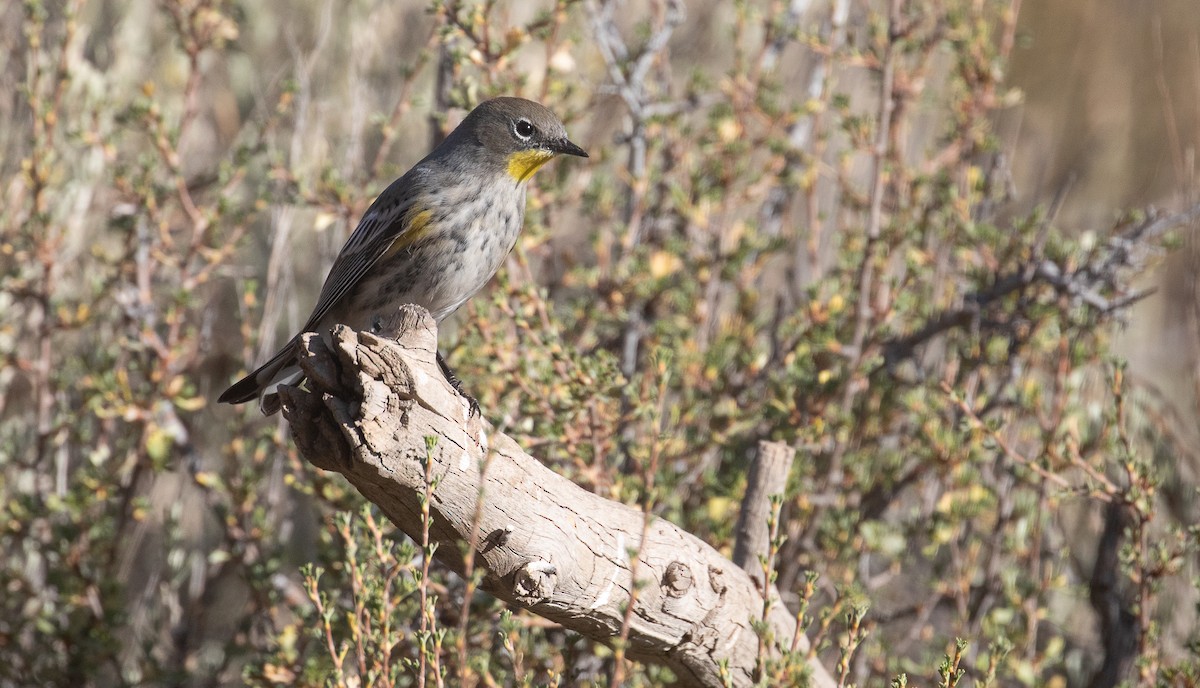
[{"x": 457, "y": 385}]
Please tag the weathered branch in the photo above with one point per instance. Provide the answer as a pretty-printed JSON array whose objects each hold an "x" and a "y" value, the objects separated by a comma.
[
  {"x": 543, "y": 543},
  {"x": 767, "y": 476}
]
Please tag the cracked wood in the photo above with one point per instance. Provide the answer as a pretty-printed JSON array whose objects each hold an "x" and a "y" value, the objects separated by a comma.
[{"x": 544, "y": 543}]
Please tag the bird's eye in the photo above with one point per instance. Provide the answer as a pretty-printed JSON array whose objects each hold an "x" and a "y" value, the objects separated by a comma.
[{"x": 523, "y": 129}]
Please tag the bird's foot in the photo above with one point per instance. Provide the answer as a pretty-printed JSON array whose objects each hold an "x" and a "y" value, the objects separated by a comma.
[{"x": 472, "y": 404}]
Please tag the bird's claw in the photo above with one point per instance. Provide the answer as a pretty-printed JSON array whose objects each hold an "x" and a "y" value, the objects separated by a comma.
[{"x": 472, "y": 404}]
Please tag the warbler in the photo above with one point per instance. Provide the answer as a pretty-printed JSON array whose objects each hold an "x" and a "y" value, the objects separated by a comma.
[{"x": 433, "y": 238}]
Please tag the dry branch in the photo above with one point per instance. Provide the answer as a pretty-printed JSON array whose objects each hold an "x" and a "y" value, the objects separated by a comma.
[
  {"x": 543, "y": 543},
  {"x": 766, "y": 477}
]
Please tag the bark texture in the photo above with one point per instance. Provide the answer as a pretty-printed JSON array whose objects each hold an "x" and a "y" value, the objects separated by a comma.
[
  {"x": 767, "y": 477},
  {"x": 544, "y": 543}
]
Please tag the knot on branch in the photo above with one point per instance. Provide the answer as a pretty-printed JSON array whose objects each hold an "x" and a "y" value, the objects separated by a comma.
[
  {"x": 716, "y": 578},
  {"x": 534, "y": 582},
  {"x": 677, "y": 579}
]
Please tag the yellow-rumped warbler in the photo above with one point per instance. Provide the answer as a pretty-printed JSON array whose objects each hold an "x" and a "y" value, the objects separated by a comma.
[{"x": 434, "y": 237}]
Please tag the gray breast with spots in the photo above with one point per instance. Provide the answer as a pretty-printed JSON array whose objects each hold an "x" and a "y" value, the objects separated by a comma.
[{"x": 471, "y": 231}]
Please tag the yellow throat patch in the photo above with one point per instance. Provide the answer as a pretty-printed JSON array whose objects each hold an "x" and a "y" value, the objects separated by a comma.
[{"x": 522, "y": 164}]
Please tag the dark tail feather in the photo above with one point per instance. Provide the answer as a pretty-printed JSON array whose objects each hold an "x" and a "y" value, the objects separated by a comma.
[
  {"x": 252, "y": 386},
  {"x": 241, "y": 391}
]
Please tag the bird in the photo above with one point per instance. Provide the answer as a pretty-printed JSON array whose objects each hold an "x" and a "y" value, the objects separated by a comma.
[{"x": 434, "y": 237}]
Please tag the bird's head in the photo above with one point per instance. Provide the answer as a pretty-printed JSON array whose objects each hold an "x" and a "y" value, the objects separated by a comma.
[{"x": 514, "y": 136}]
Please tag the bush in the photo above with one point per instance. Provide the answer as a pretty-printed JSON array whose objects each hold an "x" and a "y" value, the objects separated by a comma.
[{"x": 794, "y": 226}]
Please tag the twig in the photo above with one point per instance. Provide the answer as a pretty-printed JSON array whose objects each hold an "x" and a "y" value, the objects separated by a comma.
[
  {"x": 866, "y": 268},
  {"x": 1097, "y": 284},
  {"x": 1107, "y": 488},
  {"x": 648, "y": 501}
]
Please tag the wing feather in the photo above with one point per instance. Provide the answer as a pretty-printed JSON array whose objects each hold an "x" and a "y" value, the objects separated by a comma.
[{"x": 387, "y": 220}]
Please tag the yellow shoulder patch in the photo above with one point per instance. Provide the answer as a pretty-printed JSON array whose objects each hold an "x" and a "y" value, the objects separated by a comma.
[
  {"x": 418, "y": 227},
  {"x": 522, "y": 164}
]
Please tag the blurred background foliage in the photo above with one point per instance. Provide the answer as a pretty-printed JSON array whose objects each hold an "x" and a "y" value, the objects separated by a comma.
[{"x": 889, "y": 234}]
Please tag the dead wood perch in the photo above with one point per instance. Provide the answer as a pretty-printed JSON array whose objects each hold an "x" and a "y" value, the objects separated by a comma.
[
  {"x": 767, "y": 477},
  {"x": 544, "y": 543}
]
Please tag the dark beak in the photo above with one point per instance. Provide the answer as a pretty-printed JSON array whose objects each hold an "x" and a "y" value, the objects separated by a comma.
[{"x": 565, "y": 147}]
